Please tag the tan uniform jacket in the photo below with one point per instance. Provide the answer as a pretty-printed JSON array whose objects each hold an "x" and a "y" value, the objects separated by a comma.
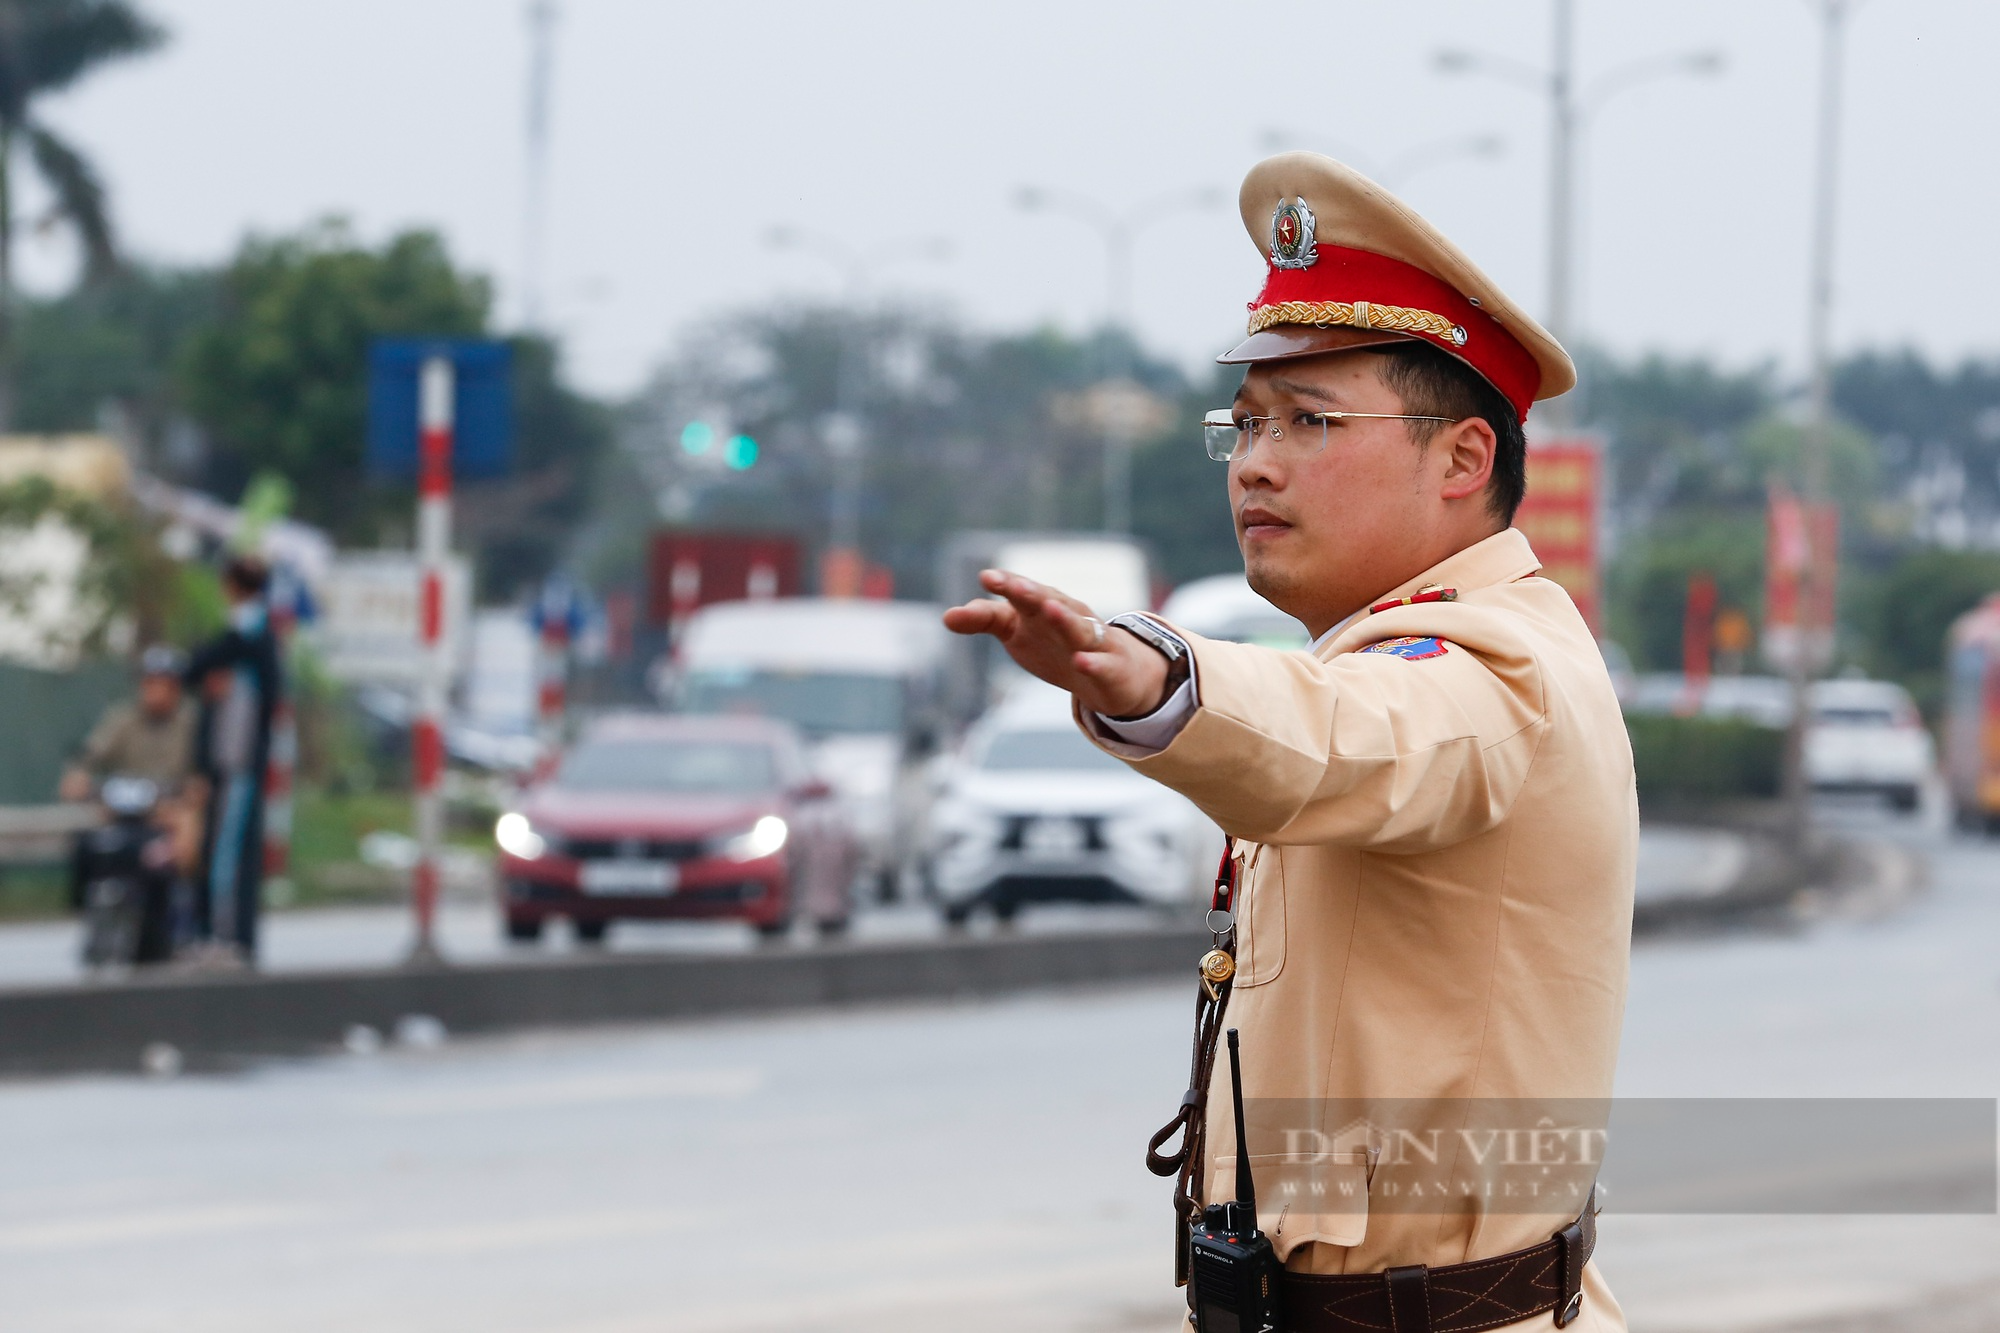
[{"x": 1437, "y": 858}]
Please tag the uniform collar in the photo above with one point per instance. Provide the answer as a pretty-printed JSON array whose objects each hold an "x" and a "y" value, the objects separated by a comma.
[{"x": 1502, "y": 558}]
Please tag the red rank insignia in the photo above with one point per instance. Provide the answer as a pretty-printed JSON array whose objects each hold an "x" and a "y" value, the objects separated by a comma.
[{"x": 1421, "y": 595}]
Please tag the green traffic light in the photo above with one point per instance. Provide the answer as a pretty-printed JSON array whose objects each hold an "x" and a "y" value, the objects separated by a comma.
[
  {"x": 697, "y": 437},
  {"x": 740, "y": 453}
]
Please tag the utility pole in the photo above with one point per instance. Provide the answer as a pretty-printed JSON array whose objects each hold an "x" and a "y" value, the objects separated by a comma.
[
  {"x": 1819, "y": 568},
  {"x": 1118, "y": 232},
  {"x": 1562, "y": 164},
  {"x": 541, "y": 50},
  {"x": 845, "y": 435},
  {"x": 1572, "y": 110}
]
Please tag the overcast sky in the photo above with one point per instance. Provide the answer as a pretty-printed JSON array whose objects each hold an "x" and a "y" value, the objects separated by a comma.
[{"x": 682, "y": 134}]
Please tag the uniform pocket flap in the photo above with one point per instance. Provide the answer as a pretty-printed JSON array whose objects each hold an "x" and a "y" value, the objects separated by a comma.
[{"x": 1303, "y": 1196}]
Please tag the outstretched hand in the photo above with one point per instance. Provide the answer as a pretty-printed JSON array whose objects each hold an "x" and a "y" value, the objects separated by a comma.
[{"x": 1055, "y": 637}]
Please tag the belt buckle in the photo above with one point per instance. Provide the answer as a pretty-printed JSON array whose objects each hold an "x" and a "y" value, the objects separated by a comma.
[{"x": 1569, "y": 1312}]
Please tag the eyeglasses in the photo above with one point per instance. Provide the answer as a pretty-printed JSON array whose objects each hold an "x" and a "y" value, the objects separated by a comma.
[{"x": 1230, "y": 437}]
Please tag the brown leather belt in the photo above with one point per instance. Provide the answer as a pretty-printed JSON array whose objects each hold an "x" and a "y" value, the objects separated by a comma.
[{"x": 1454, "y": 1298}]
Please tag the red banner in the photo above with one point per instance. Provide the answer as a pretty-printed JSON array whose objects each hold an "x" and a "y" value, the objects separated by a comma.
[
  {"x": 1559, "y": 518},
  {"x": 1801, "y": 567}
]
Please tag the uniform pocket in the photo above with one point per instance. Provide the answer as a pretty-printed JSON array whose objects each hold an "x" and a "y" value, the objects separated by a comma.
[
  {"x": 1260, "y": 935},
  {"x": 1302, "y": 1197}
]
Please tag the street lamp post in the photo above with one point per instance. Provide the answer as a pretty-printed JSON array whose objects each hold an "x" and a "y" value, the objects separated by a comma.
[
  {"x": 846, "y": 439},
  {"x": 1119, "y": 232},
  {"x": 1570, "y": 115},
  {"x": 1820, "y": 565},
  {"x": 541, "y": 41}
]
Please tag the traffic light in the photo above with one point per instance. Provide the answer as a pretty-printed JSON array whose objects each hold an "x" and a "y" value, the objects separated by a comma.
[
  {"x": 697, "y": 438},
  {"x": 740, "y": 453}
]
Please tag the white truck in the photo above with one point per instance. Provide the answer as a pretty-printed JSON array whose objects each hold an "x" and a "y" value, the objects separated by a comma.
[
  {"x": 859, "y": 679},
  {"x": 1110, "y": 574}
]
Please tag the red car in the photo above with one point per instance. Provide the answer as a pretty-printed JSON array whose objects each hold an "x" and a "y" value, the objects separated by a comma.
[{"x": 652, "y": 817}]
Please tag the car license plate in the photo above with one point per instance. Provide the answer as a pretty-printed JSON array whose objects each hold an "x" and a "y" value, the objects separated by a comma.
[
  {"x": 629, "y": 877},
  {"x": 1052, "y": 838}
]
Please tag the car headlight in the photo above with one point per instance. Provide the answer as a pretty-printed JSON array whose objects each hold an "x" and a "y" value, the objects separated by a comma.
[
  {"x": 517, "y": 837},
  {"x": 761, "y": 839}
]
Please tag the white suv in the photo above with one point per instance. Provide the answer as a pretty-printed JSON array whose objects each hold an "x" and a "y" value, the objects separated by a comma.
[
  {"x": 1866, "y": 736},
  {"x": 1029, "y": 811}
]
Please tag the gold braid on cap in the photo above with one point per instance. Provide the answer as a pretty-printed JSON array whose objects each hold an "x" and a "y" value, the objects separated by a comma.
[{"x": 1360, "y": 315}]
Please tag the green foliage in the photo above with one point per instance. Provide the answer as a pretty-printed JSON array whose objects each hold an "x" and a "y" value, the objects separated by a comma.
[
  {"x": 45, "y": 46},
  {"x": 196, "y": 610},
  {"x": 1180, "y": 496},
  {"x": 29, "y": 893},
  {"x": 1704, "y": 759},
  {"x": 1922, "y": 415},
  {"x": 279, "y": 379},
  {"x": 523, "y": 525},
  {"x": 106, "y": 585},
  {"x": 960, "y": 430},
  {"x": 1648, "y": 582},
  {"x": 1906, "y": 613},
  {"x": 110, "y": 343},
  {"x": 1675, "y": 428}
]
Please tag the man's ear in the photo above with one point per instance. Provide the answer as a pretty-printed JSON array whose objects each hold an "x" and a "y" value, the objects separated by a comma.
[{"x": 1468, "y": 448}]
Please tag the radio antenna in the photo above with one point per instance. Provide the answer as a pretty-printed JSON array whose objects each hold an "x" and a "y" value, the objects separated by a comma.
[{"x": 1246, "y": 1185}]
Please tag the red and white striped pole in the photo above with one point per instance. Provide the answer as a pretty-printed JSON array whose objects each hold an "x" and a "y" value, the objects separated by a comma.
[
  {"x": 435, "y": 391},
  {"x": 552, "y": 695}
]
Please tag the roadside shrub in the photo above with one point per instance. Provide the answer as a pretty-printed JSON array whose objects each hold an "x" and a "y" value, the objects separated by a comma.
[{"x": 1704, "y": 759}]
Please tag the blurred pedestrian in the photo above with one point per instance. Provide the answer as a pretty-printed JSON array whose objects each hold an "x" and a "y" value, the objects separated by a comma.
[
  {"x": 239, "y": 677},
  {"x": 1427, "y": 899}
]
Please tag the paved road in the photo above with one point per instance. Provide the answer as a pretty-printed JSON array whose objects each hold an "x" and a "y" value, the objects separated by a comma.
[{"x": 965, "y": 1167}]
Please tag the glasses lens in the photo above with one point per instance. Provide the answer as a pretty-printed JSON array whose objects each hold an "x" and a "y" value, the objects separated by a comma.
[{"x": 1222, "y": 436}]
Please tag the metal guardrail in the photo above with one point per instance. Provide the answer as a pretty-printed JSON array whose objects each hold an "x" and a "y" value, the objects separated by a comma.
[{"x": 40, "y": 834}]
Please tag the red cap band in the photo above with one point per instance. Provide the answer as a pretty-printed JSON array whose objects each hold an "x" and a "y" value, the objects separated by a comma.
[{"x": 1342, "y": 275}]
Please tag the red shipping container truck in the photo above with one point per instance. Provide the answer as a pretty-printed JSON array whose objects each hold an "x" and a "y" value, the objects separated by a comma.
[{"x": 689, "y": 570}]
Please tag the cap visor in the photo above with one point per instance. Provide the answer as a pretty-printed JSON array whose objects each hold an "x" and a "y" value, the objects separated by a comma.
[{"x": 1281, "y": 342}]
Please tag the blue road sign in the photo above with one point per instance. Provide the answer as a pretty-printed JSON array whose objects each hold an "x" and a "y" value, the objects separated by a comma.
[{"x": 483, "y": 407}]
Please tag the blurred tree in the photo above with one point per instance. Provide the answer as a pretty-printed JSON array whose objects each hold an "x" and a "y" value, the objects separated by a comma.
[
  {"x": 527, "y": 523},
  {"x": 1938, "y": 434},
  {"x": 107, "y": 350},
  {"x": 1180, "y": 496},
  {"x": 1647, "y": 584},
  {"x": 958, "y": 430},
  {"x": 1675, "y": 429},
  {"x": 1906, "y": 612},
  {"x": 45, "y": 46},
  {"x": 277, "y": 380}
]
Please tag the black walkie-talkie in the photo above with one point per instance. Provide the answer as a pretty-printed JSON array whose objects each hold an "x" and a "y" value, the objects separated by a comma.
[{"x": 1234, "y": 1273}]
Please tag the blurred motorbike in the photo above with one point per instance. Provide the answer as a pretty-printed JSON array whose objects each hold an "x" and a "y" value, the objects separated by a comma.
[{"x": 124, "y": 878}]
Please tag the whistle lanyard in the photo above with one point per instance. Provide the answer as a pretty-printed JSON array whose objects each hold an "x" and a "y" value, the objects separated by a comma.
[{"x": 1217, "y": 968}]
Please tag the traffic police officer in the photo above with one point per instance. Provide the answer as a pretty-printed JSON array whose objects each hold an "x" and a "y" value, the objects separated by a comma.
[{"x": 1432, "y": 812}]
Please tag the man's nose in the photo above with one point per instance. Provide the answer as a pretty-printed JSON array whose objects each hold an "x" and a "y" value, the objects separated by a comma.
[{"x": 1261, "y": 468}]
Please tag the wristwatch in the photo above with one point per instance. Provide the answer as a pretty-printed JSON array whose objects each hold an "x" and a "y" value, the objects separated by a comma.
[{"x": 1143, "y": 628}]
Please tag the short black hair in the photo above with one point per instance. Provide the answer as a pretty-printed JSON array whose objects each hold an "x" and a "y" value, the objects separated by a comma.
[
  {"x": 247, "y": 574},
  {"x": 1433, "y": 382}
]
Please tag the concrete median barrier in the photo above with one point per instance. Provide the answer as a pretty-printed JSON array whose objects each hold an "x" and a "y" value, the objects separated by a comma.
[{"x": 213, "y": 1020}]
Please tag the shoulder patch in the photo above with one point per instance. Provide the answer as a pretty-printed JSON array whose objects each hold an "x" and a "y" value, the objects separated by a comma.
[{"x": 1413, "y": 649}]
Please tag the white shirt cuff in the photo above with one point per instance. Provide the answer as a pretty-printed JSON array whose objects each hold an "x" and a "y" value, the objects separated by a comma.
[{"x": 1155, "y": 731}]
